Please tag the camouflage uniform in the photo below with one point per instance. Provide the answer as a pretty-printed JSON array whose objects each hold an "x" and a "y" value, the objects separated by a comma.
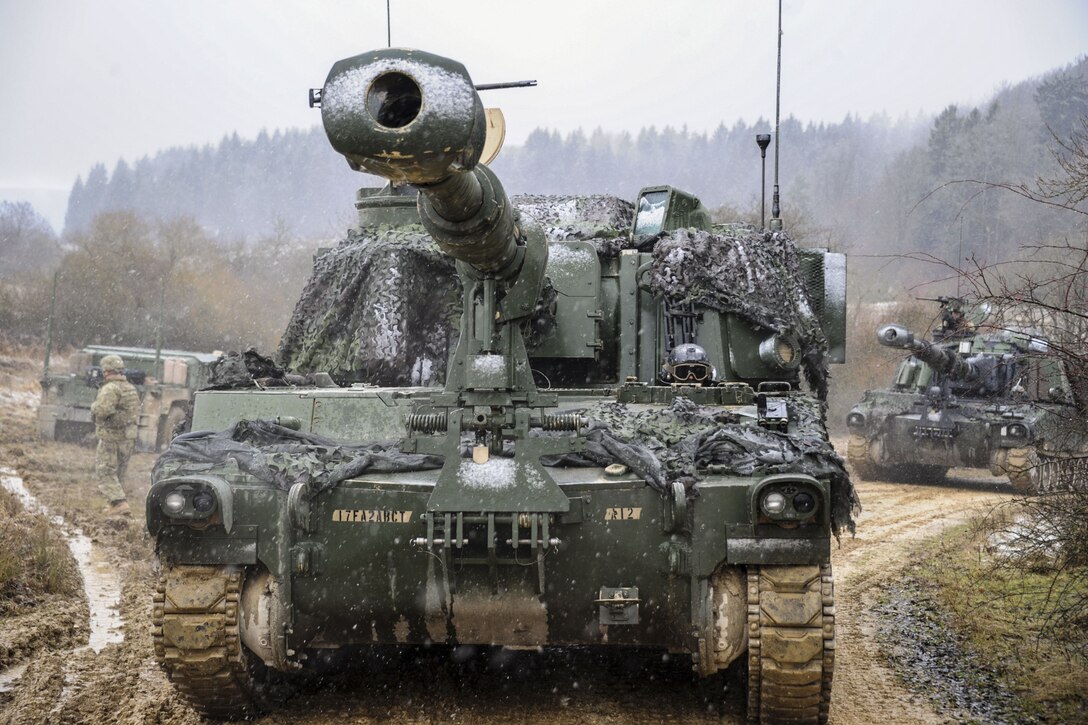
[{"x": 115, "y": 411}]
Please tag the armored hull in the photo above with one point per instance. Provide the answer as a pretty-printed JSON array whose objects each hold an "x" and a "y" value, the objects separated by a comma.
[{"x": 369, "y": 562}]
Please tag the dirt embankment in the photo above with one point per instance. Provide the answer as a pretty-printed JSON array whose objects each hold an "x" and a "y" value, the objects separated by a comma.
[{"x": 122, "y": 683}]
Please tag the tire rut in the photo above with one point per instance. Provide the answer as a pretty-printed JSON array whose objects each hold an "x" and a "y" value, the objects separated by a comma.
[{"x": 895, "y": 519}]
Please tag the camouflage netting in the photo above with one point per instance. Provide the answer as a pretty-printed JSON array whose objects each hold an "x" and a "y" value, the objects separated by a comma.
[
  {"x": 380, "y": 308},
  {"x": 661, "y": 445},
  {"x": 250, "y": 369},
  {"x": 383, "y": 306},
  {"x": 597, "y": 218},
  {"x": 754, "y": 275},
  {"x": 283, "y": 457},
  {"x": 673, "y": 443}
]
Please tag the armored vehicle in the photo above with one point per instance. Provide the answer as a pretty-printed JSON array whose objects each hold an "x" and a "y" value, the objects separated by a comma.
[
  {"x": 980, "y": 395},
  {"x": 165, "y": 379},
  {"x": 573, "y": 482}
]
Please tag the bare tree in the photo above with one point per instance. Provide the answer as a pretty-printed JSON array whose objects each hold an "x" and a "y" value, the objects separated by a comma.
[
  {"x": 1044, "y": 539},
  {"x": 1072, "y": 157},
  {"x": 27, "y": 241}
]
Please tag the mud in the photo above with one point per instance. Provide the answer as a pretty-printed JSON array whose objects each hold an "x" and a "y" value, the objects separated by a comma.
[
  {"x": 100, "y": 584},
  {"x": 53, "y": 623},
  {"x": 896, "y": 519},
  {"x": 64, "y": 681}
]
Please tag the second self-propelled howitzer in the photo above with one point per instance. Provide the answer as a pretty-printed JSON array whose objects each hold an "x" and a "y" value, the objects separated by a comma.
[
  {"x": 622, "y": 452},
  {"x": 980, "y": 395}
]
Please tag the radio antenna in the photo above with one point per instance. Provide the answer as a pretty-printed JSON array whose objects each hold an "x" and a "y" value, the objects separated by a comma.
[
  {"x": 388, "y": 26},
  {"x": 959, "y": 261},
  {"x": 776, "y": 220}
]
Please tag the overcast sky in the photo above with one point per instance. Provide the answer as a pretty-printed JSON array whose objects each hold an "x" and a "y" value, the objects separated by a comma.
[{"x": 88, "y": 81}]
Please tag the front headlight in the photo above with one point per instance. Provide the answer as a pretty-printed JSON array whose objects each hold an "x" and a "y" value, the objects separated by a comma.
[
  {"x": 203, "y": 501},
  {"x": 188, "y": 501},
  {"x": 174, "y": 503},
  {"x": 1016, "y": 430},
  {"x": 197, "y": 500},
  {"x": 855, "y": 420},
  {"x": 789, "y": 498},
  {"x": 774, "y": 503},
  {"x": 804, "y": 503}
]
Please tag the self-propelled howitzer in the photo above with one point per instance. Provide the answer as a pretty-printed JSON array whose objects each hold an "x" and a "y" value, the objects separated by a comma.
[
  {"x": 981, "y": 395},
  {"x": 621, "y": 454}
]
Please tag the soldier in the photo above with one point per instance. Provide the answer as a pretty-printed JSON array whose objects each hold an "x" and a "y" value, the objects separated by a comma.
[
  {"x": 688, "y": 364},
  {"x": 115, "y": 410}
]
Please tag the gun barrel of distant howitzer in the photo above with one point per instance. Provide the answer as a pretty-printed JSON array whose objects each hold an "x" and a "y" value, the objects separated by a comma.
[
  {"x": 413, "y": 117},
  {"x": 939, "y": 358}
]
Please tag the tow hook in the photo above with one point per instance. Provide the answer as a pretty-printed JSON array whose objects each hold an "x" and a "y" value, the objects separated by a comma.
[{"x": 618, "y": 605}]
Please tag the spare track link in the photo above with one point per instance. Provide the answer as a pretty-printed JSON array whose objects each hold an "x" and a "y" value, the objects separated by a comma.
[
  {"x": 197, "y": 642},
  {"x": 791, "y": 643}
]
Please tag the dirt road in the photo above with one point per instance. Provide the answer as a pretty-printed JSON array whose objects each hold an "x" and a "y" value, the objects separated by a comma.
[
  {"x": 67, "y": 682},
  {"x": 896, "y": 517}
]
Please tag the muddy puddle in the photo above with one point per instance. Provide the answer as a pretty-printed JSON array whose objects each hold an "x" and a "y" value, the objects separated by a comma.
[
  {"x": 101, "y": 583},
  {"x": 10, "y": 676}
]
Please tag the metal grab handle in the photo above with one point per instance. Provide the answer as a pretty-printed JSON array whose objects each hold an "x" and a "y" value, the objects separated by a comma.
[
  {"x": 640, "y": 273},
  {"x": 423, "y": 541}
]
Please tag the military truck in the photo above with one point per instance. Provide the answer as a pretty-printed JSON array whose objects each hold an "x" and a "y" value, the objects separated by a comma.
[
  {"x": 165, "y": 381},
  {"x": 621, "y": 453},
  {"x": 982, "y": 394}
]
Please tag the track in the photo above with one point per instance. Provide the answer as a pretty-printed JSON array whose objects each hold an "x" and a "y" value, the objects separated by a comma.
[
  {"x": 791, "y": 643},
  {"x": 197, "y": 639}
]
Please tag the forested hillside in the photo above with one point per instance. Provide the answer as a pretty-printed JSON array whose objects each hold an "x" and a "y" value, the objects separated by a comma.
[
  {"x": 238, "y": 189},
  {"x": 877, "y": 186},
  {"x": 919, "y": 204},
  {"x": 242, "y": 188}
]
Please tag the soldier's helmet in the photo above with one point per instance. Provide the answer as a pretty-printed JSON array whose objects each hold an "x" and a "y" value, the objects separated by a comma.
[
  {"x": 112, "y": 364},
  {"x": 689, "y": 363}
]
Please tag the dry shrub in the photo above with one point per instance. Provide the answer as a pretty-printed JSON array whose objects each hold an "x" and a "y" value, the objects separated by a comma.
[
  {"x": 1040, "y": 548},
  {"x": 1004, "y": 590},
  {"x": 34, "y": 558}
]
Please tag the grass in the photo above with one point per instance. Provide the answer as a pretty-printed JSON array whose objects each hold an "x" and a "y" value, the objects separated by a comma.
[
  {"x": 34, "y": 558},
  {"x": 1006, "y": 615}
]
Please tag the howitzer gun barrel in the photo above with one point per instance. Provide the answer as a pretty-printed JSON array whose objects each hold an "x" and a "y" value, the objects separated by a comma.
[
  {"x": 941, "y": 359},
  {"x": 413, "y": 117}
]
